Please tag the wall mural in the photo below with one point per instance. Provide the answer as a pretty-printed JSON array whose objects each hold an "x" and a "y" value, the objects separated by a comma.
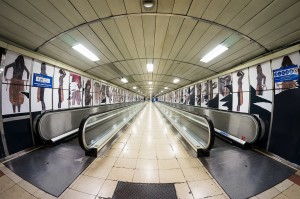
[
  {"x": 26, "y": 80},
  {"x": 15, "y": 83},
  {"x": 212, "y": 95},
  {"x": 285, "y": 136},
  {"x": 198, "y": 95},
  {"x": 41, "y": 95},
  {"x": 76, "y": 87},
  {"x": 241, "y": 88},
  {"x": 225, "y": 92},
  {"x": 204, "y": 94}
]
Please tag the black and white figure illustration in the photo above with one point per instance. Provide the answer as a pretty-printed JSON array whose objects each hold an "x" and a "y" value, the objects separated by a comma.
[
  {"x": 191, "y": 95},
  {"x": 87, "y": 92},
  {"x": 241, "y": 88},
  {"x": 176, "y": 98},
  {"x": 198, "y": 94},
  {"x": 225, "y": 92},
  {"x": 103, "y": 93},
  {"x": 61, "y": 88},
  {"x": 212, "y": 93},
  {"x": 285, "y": 135},
  {"x": 15, "y": 87},
  {"x": 185, "y": 96},
  {"x": 204, "y": 94},
  {"x": 108, "y": 94},
  {"x": 76, "y": 87},
  {"x": 261, "y": 95},
  {"x": 41, "y": 98},
  {"x": 96, "y": 93}
]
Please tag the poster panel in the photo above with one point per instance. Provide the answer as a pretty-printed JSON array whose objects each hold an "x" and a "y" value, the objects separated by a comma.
[
  {"x": 87, "y": 97},
  {"x": 212, "y": 93},
  {"x": 41, "y": 96},
  {"x": 61, "y": 78},
  {"x": 76, "y": 87},
  {"x": 285, "y": 71},
  {"x": 60, "y": 99},
  {"x": 225, "y": 92},
  {"x": 241, "y": 88},
  {"x": 15, "y": 87},
  {"x": 198, "y": 95},
  {"x": 204, "y": 94}
]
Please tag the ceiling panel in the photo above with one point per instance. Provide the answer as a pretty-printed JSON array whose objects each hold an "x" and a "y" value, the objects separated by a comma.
[
  {"x": 18, "y": 18},
  {"x": 181, "y": 7},
  {"x": 123, "y": 24},
  {"x": 101, "y": 8},
  {"x": 85, "y": 9},
  {"x": 165, "y": 6},
  {"x": 36, "y": 15},
  {"x": 117, "y": 7},
  {"x": 174, "y": 43},
  {"x": 214, "y": 9},
  {"x": 162, "y": 24},
  {"x": 171, "y": 35},
  {"x": 198, "y": 7},
  {"x": 115, "y": 34},
  {"x": 133, "y": 6},
  {"x": 149, "y": 31}
]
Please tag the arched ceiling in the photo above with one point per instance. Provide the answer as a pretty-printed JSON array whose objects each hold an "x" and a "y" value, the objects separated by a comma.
[{"x": 174, "y": 35}]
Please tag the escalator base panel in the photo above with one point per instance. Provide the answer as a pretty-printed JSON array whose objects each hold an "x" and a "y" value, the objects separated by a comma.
[
  {"x": 127, "y": 190},
  {"x": 244, "y": 173},
  {"x": 51, "y": 169}
]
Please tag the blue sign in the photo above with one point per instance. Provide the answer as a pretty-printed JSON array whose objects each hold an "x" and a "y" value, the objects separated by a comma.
[
  {"x": 289, "y": 73},
  {"x": 42, "y": 81}
]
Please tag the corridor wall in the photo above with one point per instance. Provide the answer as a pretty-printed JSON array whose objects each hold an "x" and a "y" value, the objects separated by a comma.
[
  {"x": 31, "y": 86},
  {"x": 269, "y": 89}
]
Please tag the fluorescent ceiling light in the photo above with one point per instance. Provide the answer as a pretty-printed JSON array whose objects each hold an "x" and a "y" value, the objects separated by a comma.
[
  {"x": 176, "y": 80},
  {"x": 161, "y": 91},
  {"x": 124, "y": 80},
  {"x": 166, "y": 87},
  {"x": 150, "y": 82},
  {"x": 214, "y": 53},
  {"x": 150, "y": 88},
  {"x": 134, "y": 87},
  {"x": 150, "y": 67},
  {"x": 84, "y": 51}
]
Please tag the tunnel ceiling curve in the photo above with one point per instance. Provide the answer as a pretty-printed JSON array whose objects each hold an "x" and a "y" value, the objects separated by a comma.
[{"x": 174, "y": 35}]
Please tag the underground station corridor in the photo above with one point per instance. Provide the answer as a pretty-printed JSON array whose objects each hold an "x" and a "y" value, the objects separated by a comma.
[{"x": 149, "y": 99}]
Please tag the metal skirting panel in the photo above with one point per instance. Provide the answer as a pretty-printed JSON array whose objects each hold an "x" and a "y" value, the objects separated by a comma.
[
  {"x": 52, "y": 169},
  {"x": 244, "y": 173},
  {"x": 126, "y": 190}
]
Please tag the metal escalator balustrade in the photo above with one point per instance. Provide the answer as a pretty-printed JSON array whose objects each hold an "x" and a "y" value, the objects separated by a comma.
[
  {"x": 56, "y": 125},
  {"x": 96, "y": 130},
  {"x": 242, "y": 128},
  {"x": 197, "y": 130}
]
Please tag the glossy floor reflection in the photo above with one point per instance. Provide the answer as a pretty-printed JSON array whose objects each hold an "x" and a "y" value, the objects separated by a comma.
[{"x": 147, "y": 152}]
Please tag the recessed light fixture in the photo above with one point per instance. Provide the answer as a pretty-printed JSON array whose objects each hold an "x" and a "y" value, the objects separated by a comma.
[
  {"x": 150, "y": 88},
  {"x": 124, "y": 80},
  {"x": 214, "y": 53},
  {"x": 150, "y": 68},
  {"x": 162, "y": 91},
  {"x": 134, "y": 87},
  {"x": 176, "y": 80},
  {"x": 150, "y": 82},
  {"x": 166, "y": 87},
  {"x": 148, "y": 3},
  {"x": 84, "y": 51}
]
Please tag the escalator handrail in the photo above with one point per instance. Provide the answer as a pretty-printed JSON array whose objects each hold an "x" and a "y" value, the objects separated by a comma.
[
  {"x": 83, "y": 125},
  {"x": 211, "y": 131}
]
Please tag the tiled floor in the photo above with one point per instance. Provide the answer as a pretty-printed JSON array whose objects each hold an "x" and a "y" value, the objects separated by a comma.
[{"x": 147, "y": 152}]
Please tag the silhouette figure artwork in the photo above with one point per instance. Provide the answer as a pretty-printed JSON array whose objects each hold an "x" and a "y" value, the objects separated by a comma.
[
  {"x": 261, "y": 81},
  {"x": 87, "y": 93},
  {"x": 62, "y": 75},
  {"x": 75, "y": 86},
  {"x": 41, "y": 91},
  {"x": 16, "y": 85},
  {"x": 240, "y": 74}
]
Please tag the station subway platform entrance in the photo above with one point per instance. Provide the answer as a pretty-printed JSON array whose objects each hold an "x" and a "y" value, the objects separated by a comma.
[{"x": 148, "y": 157}]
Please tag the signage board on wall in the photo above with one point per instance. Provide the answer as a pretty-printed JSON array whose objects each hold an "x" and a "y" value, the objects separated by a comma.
[
  {"x": 285, "y": 74},
  {"x": 42, "y": 81}
]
